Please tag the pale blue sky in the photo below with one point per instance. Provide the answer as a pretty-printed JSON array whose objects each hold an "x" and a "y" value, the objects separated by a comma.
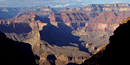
[{"x": 56, "y": 3}]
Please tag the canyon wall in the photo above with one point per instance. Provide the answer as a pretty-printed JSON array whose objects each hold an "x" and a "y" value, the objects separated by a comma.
[
  {"x": 112, "y": 49},
  {"x": 100, "y": 8},
  {"x": 101, "y": 22},
  {"x": 62, "y": 37}
]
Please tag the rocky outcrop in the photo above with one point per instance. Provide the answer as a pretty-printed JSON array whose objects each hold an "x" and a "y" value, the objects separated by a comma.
[
  {"x": 24, "y": 27},
  {"x": 102, "y": 27},
  {"x": 68, "y": 17},
  {"x": 112, "y": 27},
  {"x": 45, "y": 11},
  {"x": 89, "y": 26},
  {"x": 110, "y": 17},
  {"x": 101, "y": 8},
  {"x": 108, "y": 7},
  {"x": 15, "y": 53},
  {"x": 64, "y": 37},
  {"x": 94, "y": 17},
  {"x": 106, "y": 17},
  {"x": 93, "y": 21},
  {"x": 114, "y": 50},
  {"x": 31, "y": 20}
]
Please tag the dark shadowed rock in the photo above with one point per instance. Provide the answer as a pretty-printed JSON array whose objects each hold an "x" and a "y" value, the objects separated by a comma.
[
  {"x": 15, "y": 53},
  {"x": 51, "y": 59},
  {"x": 18, "y": 28},
  {"x": 116, "y": 52},
  {"x": 61, "y": 36}
]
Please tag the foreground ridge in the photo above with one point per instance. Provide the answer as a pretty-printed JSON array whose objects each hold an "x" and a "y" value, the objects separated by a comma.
[
  {"x": 15, "y": 53},
  {"x": 115, "y": 51}
]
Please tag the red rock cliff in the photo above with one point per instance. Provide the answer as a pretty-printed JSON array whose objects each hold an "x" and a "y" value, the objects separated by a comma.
[{"x": 115, "y": 50}]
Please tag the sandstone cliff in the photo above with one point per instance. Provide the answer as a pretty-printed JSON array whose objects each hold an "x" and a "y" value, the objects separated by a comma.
[
  {"x": 89, "y": 21},
  {"x": 21, "y": 28},
  {"x": 113, "y": 50},
  {"x": 68, "y": 17},
  {"x": 101, "y": 8},
  {"x": 59, "y": 39},
  {"x": 31, "y": 19},
  {"x": 69, "y": 36},
  {"x": 107, "y": 7},
  {"x": 42, "y": 36},
  {"x": 45, "y": 11}
]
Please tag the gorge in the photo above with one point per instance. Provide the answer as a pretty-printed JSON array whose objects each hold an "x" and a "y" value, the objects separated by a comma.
[{"x": 68, "y": 36}]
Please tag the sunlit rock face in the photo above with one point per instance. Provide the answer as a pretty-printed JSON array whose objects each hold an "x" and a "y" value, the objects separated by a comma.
[
  {"x": 68, "y": 17},
  {"x": 77, "y": 36},
  {"x": 100, "y": 8},
  {"x": 100, "y": 22},
  {"x": 108, "y": 50},
  {"x": 68, "y": 36},
  {"x": 107, "y": 7}
]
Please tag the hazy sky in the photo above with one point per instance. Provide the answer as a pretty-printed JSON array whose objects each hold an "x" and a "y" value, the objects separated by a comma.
[{"x": 56, "y": 3}]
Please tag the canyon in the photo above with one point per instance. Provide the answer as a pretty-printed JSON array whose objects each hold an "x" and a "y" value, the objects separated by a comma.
[
  {"x": 68, "y": 36},
  {"x": 45, "y": 11},
  {"x": 100, "y": 8},
  {"x": 108, "y": 50}
]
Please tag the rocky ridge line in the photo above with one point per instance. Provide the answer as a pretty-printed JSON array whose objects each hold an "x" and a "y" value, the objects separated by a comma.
[{"x": 111, "y": 49}]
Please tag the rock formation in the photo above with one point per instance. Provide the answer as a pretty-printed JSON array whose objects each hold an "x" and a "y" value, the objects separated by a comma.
[
  {"x": 63, "y": 37},
  {"x": 36, "y": 31},
  {"x": 45, "y": 11},
  {"x": 114, "y": 52},
  {"x": 16, "y": 53},
  {"x": 31, "y": 19},
  {"x": 90, "y": 21},
  {"x": 68, "y": 17},
  {"x": 101, "y": 8},
  {"x": 72, "y": 34},
  {"x": 11, "y": 12}
]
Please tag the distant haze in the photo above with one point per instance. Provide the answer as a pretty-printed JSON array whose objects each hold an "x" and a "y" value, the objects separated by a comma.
[{"x": 56, "y": 3}]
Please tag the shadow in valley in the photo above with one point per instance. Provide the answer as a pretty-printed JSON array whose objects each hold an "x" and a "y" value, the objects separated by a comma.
[
  {"x": 117, "y": 51},
  {"x": 58, "y": 17},
  {"x": 15, "y": 28},
  {"x": 15, "y": 53},
  {"x": 60, "y": 35},
  {"x": 51, "y": 59}
]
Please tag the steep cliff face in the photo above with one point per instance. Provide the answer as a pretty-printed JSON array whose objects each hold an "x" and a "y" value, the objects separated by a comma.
[
  {"x": 101, "y": 8},
  {"x": 15, "y": 53},
  {"x": 90, "y": 21},
  {"x": 68, "y": 17},
  {"x": 31, "y": 20},
  {"x": 22, "y": 28},
  {"x": 106, "y": 17},
  {"x": 45, "y": 11},
  {"x": 108, "y": 7},
  {"x": 45, "y": 38},
  {"x": 63, "y": 37},
  {"x": 101, "y": 27},
  {"x": 110, "y": 17},
  {"x": 69, "y": 36},
  {"x": 113, "y": 49}
]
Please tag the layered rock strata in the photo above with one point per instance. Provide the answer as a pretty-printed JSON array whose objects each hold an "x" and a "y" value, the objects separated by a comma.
[
  {"x": 100, "y": 8},
  {"x": 53, "y": 40},
  {"x": 112, "y": 48}
]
